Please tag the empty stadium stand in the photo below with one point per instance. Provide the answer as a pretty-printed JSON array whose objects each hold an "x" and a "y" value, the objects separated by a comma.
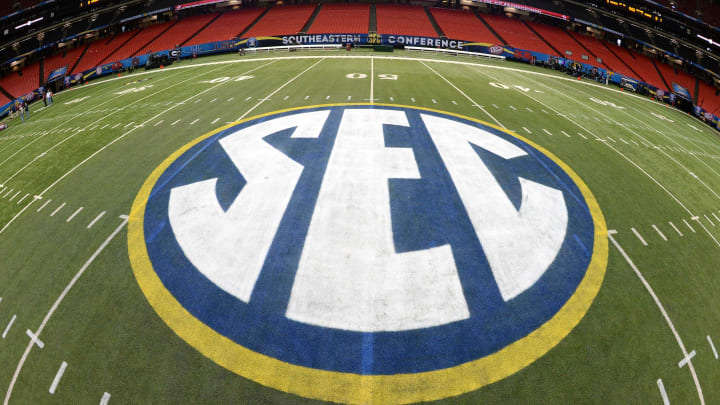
[
  {"x": 463, "y": 25},
  {"x": 517, "y": 34},
  {"x": 681, "y": 78},
  {"x": 403, "y": 20},
  {"x": 138, "y": 41},
  {"x": 641, "y": 64},
  {"x": 96, "y": 52},
  {"x": 20, "y": 85},
  {"x": 341, "y": 18},
  {"x": 61, "y": 59},
  {"x": 281, "y": 20},
  {"x": 228, "y": 26},
  {"x": 178, "y": 33},
  {"x": 563, "y": 43},
  {"x": 609, "y": 59},
  {"x": 709, "y": 98}
]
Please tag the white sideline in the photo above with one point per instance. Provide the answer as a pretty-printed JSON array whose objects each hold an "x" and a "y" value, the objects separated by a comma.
[
  {"x": 662, "y": 310},
  {"x": 55, "y": 306}
]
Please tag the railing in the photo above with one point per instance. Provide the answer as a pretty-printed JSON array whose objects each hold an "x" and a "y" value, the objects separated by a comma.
[
  {"x": 454, "y": 52},
  {"x": 288, "y": 48}
]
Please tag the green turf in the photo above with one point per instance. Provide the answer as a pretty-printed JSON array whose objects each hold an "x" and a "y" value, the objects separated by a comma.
[{"x": 114, "y": 342}]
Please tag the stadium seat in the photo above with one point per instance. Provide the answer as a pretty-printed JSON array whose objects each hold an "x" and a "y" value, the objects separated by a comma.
[
  {"x": 641, "y": 64},
  {"x": 138, "y": 42},
  {"x": 96, "y": 52},
  {"x": 403, "y": 20},
  {"x": 20, "y": 85},
  {"x": 228, "y": 26},
  {"x": 679, "y": 77},
  {"x": 609, "y": 59},
  {"x": 463, "y": 25},
  {"x": 563, "y": 43},
  {"x": 341, "y": 18},
  {"x": 708, "y": 99},
  {"x": 282, "y": 20},
  {"x": 517, "y": 34},
  {"x": 58, "y": 60},
  {"x": 178, "y": 33}
]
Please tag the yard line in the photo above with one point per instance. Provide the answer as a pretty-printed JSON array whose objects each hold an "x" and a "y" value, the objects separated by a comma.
[
  {"x": 565, "y": 133},
  {"x": 433, "y": 100},
  {"x": 24, "y": 197},
  {"x": 287, "y": 97},
  {"x": 213, "y": 100},
  {"x": 663, "y": 394},
  {"x": 278, "y": 89},
  {"x": 527, "y": 130},
  {"x": 545, "y": 112},
  {"x": 199, "y": 100},
  {"x": 675, "y": 228},
  {"x": 230, "y": 99},
  {"x": 175, "y": 122},
  {"x": 70, "y": 218},
  {"x": 624, "y": 141},
  {"x": 716, "y": 218},
  {"x": 105, "y": 399},
  {"x": 582, "y": 136},
  {"x": 349, "y": 98},
  {"x": 547, "y": 132},
  {"x": 712, "y": 346},
  {"x": 107, "y": 145},
  {"x": 662, "y": 310},
  {"x": 392, "y": 99},
  {"x": 464, "y": 95},
  {"x": 97, "y": 218},
  {"x": 454, "y": 102},
  {"x": 57, "y": 209},
  {"x": 115, "y": 126},
  {"x": 706, "y": 217},
  {"x": 688, "y": 225},
  {"x": 307, "y": 97},
  {"x": 158, "y": 123},
  {"x": 412, "y": 99},
  {"x": 9, "y": 325},
  {"x": 686, "y": 359},
  {"x": 215, "y": 120},
  {"x": 43, "y": 206},
  {"x": 105, "y": 126},
  {"x": 57, "y": 378},
  {"x": 528, "y": 108},
  {"x": 372, "y": 79},
  {"x": 633, "y": 141},
  {"x": 327, "y": 97},
  {"x": 196, "y": 120},
  {"x": 55, "y": 306},
  {"x": 16, "y": 194},
  {"x": 513, "y": 108},
  {"x": 639, "y": 236},
  {"x": 611, "y": 139},
  {"x": 659, "y": 233},
  {"x": 495, "y": 105},
  {"x": 8, "y": 193},
  {"x": 129, "y": 124}
]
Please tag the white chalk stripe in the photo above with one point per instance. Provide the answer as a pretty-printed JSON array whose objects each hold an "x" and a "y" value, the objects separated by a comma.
[
  {"x": 97, "y": 218},
  {"x": 24, "y": 197},
  {"x": 105, "y": 399},
  {"x": 688, "y": 225},
  {"x": 706, "y": 217},
  {"x": 16, "y": 194},
  {"x": 715, "y": 216},
  {"x": 43, "y": 206},
  {"x": 675, "y": 228},
  {"x": 216, "y": 120},
  {"x": 582, "y": 136},
  {"x": 638, "y": 236},
  {"x": 196, "y": 120},
  {"x": 176, "y": 121},
  {"x": 158, "y": 123},
  {"x": 686, "y": 359},
  {"x": 527, "y": 130},
  {"x": 70, "y": 218},
  {"x": 659, "y": 233},
  {"x": 712, "y": 346},
  {"x": 565, "y": 133},
  {"x": 547, "y": 132},
  {"x": 57, "y": 378},
  {"x": 57, "y": 209},
  {"x": 9, "y": 325}
]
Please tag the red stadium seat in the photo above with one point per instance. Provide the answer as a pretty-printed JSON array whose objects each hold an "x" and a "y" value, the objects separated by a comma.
[
  {"x": 680, "y": 78},
  {"x": 708, "y": 99},
  {"x": 342, "y": 18},
  {"x": 138, "y": 42},
  {"x": 641, "y": 64},
  {"x": 463, "y": 25},
  {"x": 58, "y": 60},
  {"x": 517, "y": 34},
  {"x": 228, "y": 26},
  {"x": 612, "y": 62},
  {"x": 282, "y": 20},
  {"x": 563, "y": 43},
  {"x": 20, "y": 85},
  {"x": 403, "y": 20},
  {"x": 178, "y": 34}
]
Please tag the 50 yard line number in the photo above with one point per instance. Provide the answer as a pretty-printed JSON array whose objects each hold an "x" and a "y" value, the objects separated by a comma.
[{"x": 382, "y": 76}]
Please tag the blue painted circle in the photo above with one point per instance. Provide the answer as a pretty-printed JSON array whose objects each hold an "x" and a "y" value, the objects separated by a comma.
[{"x": 426, "y": 212}]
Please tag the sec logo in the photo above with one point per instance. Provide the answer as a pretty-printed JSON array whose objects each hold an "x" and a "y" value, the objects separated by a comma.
[{"x": 358, "y": 253}]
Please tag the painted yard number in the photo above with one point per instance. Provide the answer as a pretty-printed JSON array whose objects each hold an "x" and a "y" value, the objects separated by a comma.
[
  {"x": 224, "y": 79},
  {"x": 382, "y": 76},
  {"x": 520, "y": 244},
  {"x": 664, "y": 118},
  {"x": 515, "y": 86},
  {"x": 607, "y": 103}
]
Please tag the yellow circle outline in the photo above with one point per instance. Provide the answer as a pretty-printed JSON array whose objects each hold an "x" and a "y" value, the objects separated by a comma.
[{"x": 355, "y": 388}]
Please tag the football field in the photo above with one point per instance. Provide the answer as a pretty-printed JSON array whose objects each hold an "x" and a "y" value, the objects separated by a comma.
[{"x": 80, "y": 323}]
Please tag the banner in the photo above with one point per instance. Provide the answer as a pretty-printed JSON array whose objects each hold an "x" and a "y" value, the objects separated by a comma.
[
  {"x": 681, "y": 91},
  {"x": 57, "y": 74}
]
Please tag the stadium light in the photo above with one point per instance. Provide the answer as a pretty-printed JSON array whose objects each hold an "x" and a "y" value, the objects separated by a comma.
[{"x": 27, "y": 24}]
